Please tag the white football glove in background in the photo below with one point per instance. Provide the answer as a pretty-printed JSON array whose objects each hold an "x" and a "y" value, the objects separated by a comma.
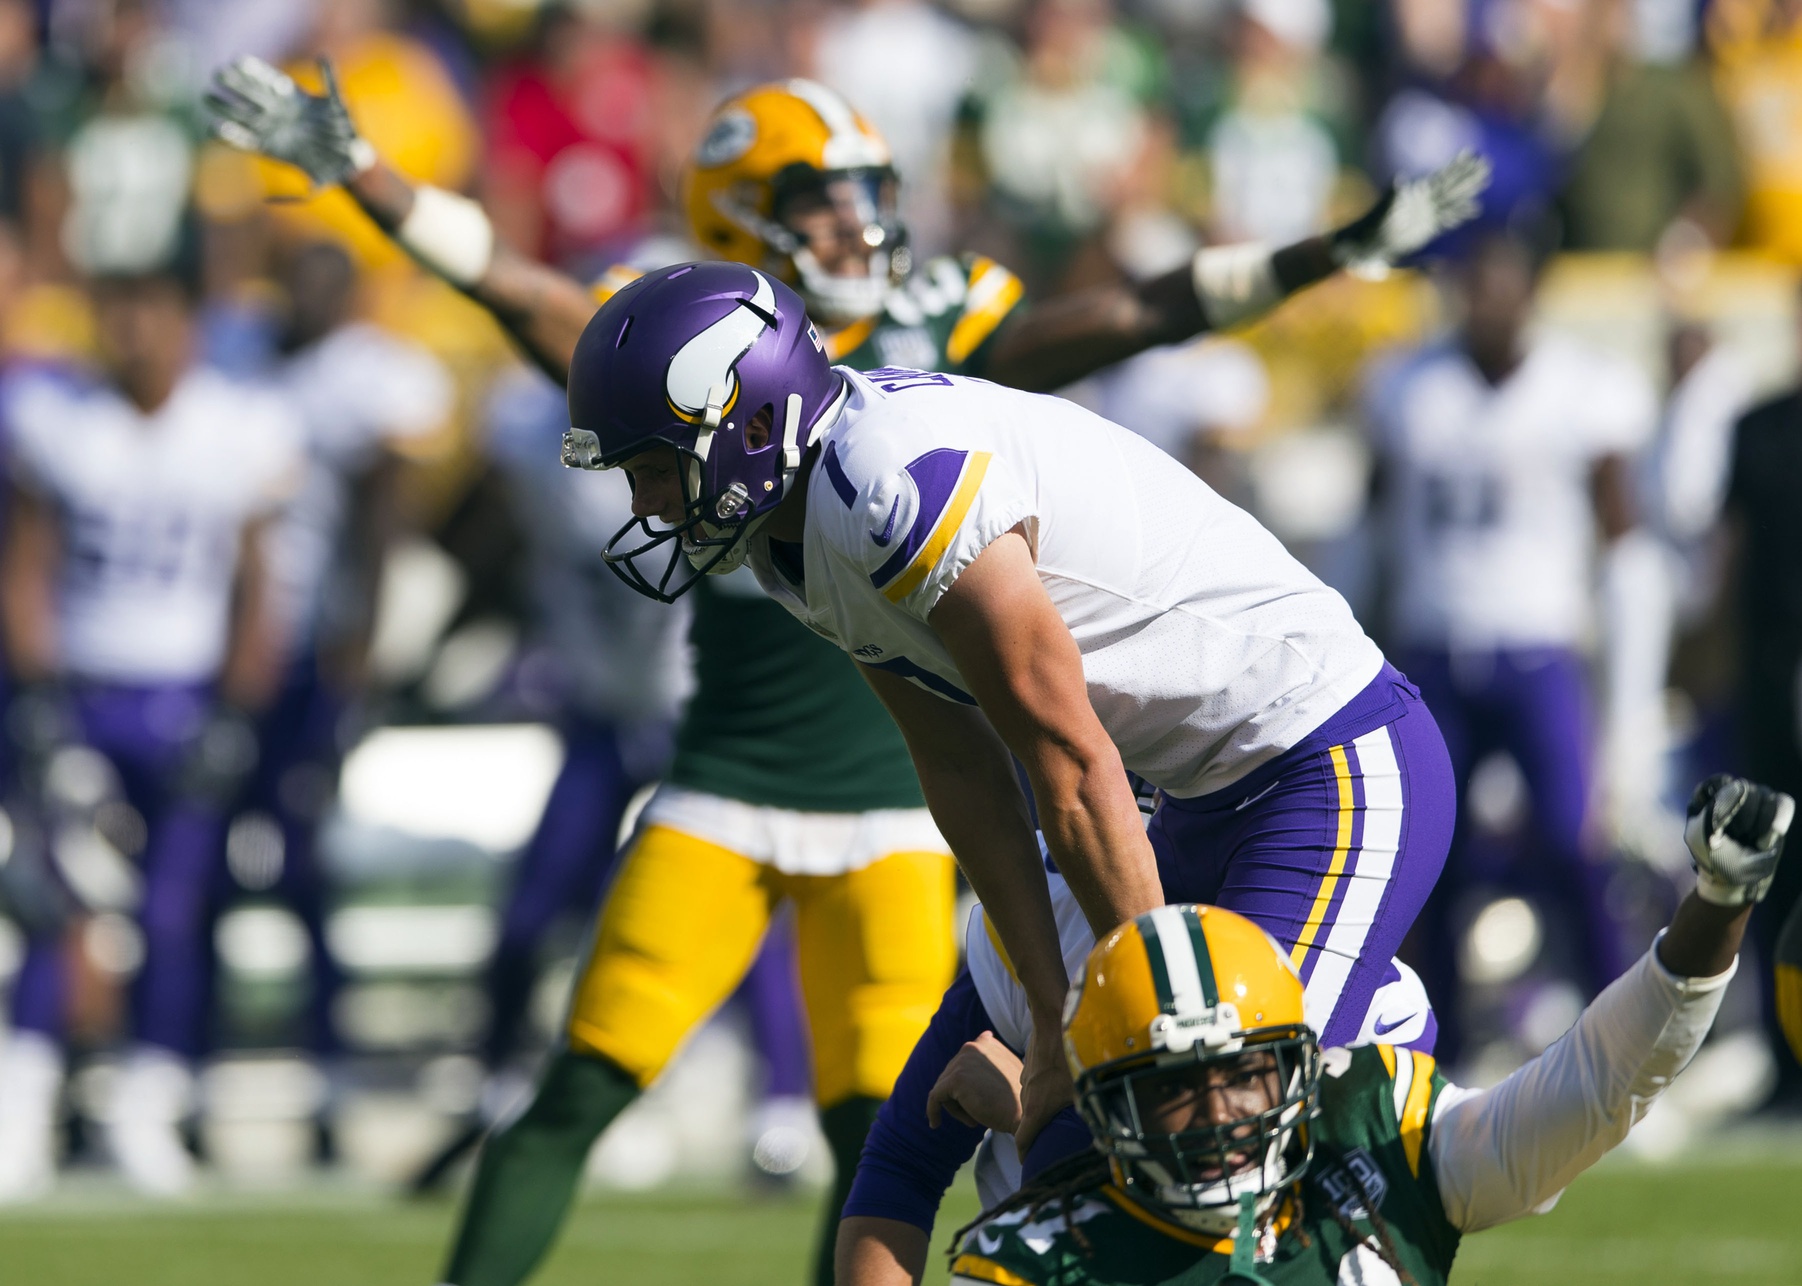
[
  {"x": 1411, "y": 214},
  {"x": 258, "y": 108},
  {"x": 1735, "y": 831}
]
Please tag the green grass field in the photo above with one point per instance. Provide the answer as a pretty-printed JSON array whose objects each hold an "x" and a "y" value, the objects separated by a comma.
[{"x": 1738, "y": 1222}]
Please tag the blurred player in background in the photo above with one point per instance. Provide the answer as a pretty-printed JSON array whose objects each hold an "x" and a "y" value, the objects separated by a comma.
[
  {"x": 363, "y": 398},
  {"x": 787, "y": 176},
  {"x": 1499, "y": 455},
  {"x": 137, "y": 615}
]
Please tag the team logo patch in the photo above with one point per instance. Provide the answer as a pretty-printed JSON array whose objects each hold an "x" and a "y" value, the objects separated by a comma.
[
  {"x": 730, "y": 137},
  {"x": 1348, "y": 1185}
]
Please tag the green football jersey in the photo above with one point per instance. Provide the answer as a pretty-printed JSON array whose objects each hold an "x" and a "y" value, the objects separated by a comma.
[
  {"x": 781, "y": 717},
  {"x": 1370, "y": 1151}
]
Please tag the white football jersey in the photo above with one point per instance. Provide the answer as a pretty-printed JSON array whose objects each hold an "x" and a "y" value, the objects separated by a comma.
[
  {"x": 1492, "y": 525},
  {"x": 152, "y": 508},
  {"x": 357, "y": 391},
  {"x": 1208, "y": 650}
]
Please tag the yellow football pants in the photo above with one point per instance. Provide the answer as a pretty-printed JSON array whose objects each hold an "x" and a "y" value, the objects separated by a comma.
[{"x": 683, "y": 922}]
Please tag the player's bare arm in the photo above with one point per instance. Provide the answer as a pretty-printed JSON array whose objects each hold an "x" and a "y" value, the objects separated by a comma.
[
  {"x": 1025, "y": 671},
  {"x": 968, "y": 779},
  {"x": 1052, "y": 344},
  {"x": 254, "y": 651},
  {"x": 260, "y": 109},
  {"x": 28, "y": 585}
]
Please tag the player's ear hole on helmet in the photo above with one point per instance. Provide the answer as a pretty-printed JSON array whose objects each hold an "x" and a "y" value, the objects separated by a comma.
[{"x": 758, "y": 428}]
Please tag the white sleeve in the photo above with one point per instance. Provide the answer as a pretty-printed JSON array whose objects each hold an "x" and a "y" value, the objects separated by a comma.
[
  {"x": 913, "y": 530},
  {"x": 1511, "y": 1150}
]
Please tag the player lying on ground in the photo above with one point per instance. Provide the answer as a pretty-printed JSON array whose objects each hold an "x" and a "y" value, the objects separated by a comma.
[
  {"x": 1232, "y": 1148},
  {"x": 959, "y": 1096}
]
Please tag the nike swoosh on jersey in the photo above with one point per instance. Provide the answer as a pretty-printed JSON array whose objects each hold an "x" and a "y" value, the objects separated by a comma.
[
  {"x": 1249, "y": 800},
  {"x": 987, "y": 1242},
  {"x": 888, "y": 532},
  {"x": 1381, "y": 1028}
]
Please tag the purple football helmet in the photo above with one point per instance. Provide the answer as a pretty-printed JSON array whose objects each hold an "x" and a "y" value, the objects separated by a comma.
[{"x": 719, "y": 361}]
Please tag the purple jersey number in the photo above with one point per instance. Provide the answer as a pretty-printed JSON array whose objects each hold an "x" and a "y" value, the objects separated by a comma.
[{"x": 893, "y": 379}]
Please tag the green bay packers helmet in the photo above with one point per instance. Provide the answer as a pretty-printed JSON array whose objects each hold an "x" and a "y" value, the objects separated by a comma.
[
  {"x": 1199, "y": 1000},
  {"x": 770, "y": 150}
]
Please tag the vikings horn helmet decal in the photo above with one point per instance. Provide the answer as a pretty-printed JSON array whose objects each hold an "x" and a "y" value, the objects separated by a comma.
[
  {"x": 706, "y": 363},
  {"x": 718, "y": 363}
]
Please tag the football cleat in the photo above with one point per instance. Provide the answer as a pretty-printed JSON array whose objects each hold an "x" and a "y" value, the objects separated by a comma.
[
  {"x": 1189, "y": 999},
  {"x": 1734, "y": 829},
  {"x": 780, "y": 153}
]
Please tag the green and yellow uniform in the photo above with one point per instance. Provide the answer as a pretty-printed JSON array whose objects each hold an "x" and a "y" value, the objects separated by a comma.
[
  {"x": 1369, "y": 1192},
  {"x": 783, "y": 737}
]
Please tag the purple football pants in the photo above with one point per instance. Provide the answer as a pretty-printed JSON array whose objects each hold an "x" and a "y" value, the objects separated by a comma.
[
  {"x": 1534, "y": 704},
  {"x": 300, "y": 750},
  {"x": 145, "y": 733},
  {"x": 1332, "y": 848}
]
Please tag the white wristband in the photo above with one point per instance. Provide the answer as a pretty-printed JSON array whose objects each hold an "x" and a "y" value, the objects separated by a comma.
[
  {"x": 449, "y": 234},
  {"x": 1235, "y": 283}
]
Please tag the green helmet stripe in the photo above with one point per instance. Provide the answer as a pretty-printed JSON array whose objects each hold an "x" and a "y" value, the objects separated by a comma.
[
  {"x": 1204, "y": 963},
  {"x": 1160, "y": 969}
]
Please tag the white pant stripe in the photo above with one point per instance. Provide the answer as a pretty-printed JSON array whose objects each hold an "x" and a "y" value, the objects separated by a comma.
[
  {"x": 1179, "y": 961},
  {"x": 1368, "y": 871}
]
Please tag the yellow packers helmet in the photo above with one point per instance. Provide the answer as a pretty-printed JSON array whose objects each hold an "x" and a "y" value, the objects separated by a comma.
[
  {"x": 776, "y": 150},
  {"x": 1193, "y": 1065}
]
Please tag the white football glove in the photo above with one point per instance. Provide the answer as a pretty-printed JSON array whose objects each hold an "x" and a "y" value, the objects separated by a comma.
[
  {"x": 1409, "y": 215},
  {"x": 1735, "y": 831},
  {"x": 258, "y": 108}
]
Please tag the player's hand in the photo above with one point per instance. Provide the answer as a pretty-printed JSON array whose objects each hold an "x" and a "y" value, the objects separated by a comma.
[
  {"x": 258, "y": 108},
  {"x": 1735, "y": 831},
  {"x": 1045, "y": 1088},
  {"x": 1411, "y": 214},
  {"x": 979, "y": 1086}
]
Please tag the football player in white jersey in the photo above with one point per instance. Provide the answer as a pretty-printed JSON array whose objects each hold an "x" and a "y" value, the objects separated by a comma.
[
  {"x": 364, "y": 398},
  {"x": 1502, "y": 455},
  {"x": 1018, "y": 575},
  {"x": 135, "y": 608}
]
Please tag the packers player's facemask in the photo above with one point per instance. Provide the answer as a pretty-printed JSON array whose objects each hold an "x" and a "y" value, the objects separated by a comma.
[
  {"x": 1193, "y": 1064},
  {"x": 843, "y": 233},
  {"x": 1190, "y": 1134}
]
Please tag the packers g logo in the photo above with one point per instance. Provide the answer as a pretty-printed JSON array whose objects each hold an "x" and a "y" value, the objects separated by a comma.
[{"x": 729, "y": 138}]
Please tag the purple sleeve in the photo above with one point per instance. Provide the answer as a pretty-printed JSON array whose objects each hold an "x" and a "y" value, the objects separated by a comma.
[{"x": 906, "y": 1164}]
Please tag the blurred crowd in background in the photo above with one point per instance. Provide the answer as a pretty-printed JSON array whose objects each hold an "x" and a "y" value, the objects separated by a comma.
[{"x": 433, "y": 629}]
